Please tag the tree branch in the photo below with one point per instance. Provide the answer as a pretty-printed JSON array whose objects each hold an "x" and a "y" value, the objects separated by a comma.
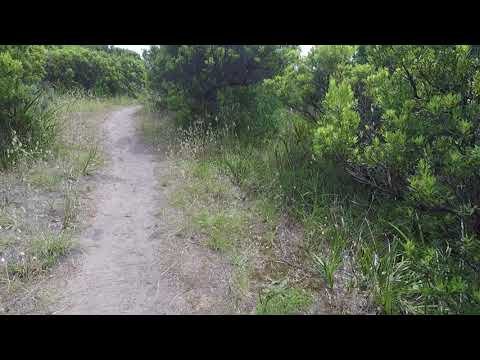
[{"x": 411, "y": 80}]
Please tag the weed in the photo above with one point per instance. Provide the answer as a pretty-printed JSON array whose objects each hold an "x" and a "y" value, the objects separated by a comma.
[
  {"x": 70, "y": 203},
  {"x": 241, "y": 275},
  {"x": 88, "y": 161},
  {"x": 222, "y": 229},
  {"x": 46, "y": 177},
  {"x": 267, "y": 210},
  {"x": 7, "y": 221},
  {"x": 43, "y": 252},
  {"x": 49, "y": 247},
  {"x": 328, "y": 265},
  {"x": 279, "y": 299}
]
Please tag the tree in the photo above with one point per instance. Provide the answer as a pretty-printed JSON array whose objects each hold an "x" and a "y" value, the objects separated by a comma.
[
  {"x": 189, "y": 78},
  {"x": 101, "y": 69}
]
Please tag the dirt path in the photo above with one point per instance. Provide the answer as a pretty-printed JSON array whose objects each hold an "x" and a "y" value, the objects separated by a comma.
[{"x": 129, "y": 265}]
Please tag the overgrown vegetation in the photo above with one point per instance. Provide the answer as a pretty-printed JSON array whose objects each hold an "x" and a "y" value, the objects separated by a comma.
[
  {"x": 373, "y": 149},
  {"x": 106, "y": 71},
  {"x": 37, "y": 82},
  {"x": 48, "y": 144}
]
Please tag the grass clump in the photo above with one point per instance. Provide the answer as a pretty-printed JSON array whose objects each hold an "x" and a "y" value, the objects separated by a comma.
[
  {"x": 242, "y": 272},
  {"x": 7, "y": 221},
  {"x": 222, "y": 229},
  {"x": 41, "y": 254},
  {"x": 70, "y": 206},
  {"x": 203, "y": 185},
  {"x": 279, "y": 299},
  {"x": 49, "y": 247},
  {"x": 88, "y": 161},
  {"x": 43, "y": 176}
]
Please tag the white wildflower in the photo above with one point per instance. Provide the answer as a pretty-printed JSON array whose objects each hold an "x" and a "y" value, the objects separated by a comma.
[{"x": 3, "y": 259}]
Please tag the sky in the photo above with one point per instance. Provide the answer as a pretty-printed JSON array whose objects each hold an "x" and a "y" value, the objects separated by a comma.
[
  {"x": 140, "y": 48},
  {"x": 136, "y": 48}
]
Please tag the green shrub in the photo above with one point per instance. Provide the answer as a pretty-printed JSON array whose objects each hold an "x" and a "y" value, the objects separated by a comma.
[
  {"x": 425, "y": 150},
  {"x": 27, "y": 122},
  {"x": 420, "y": 152},
  {"x": 105, "y": 72},
  {"x": 303, "y": 84},
  {"x": 196, "y": 80},
  {"x": 350, "y": 140}
]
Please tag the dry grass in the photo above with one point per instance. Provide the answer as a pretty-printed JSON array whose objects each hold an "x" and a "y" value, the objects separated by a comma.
[
  {"x": 249, "y": 233},
  {"x": 42, "y": 202}
]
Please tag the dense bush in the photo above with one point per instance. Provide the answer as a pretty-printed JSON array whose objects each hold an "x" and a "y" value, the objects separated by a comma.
[
  {"x": 198, "y": 81},
  {"x": 26, "y": 124},
  {"x": 105, "y": 71},
  {"x": 425, "y": 148},
  {"x": 404, "y": 121},
  {"x": 381, "y": 135},
  {"x": 304, "y": 82}
]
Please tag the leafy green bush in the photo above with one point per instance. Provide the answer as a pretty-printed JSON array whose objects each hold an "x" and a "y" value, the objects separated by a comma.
[
  {"x": 305, "y": 80},
  {"x": 357, "y": 138},
  {"x": 195, "y": 81},
  {"x": 425, "y": 150},
  {"x": 421, "y": 152},
  {"x": 26, "y": 117},
  {"x": 105, "y": 72}
]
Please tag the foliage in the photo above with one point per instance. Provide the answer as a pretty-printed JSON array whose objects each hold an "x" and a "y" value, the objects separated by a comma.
[
  {"x": 104, "y": 70},
  {"x": 424, "y": 152},
  {"x": 194, "y": 80},
  {"x": 26, "y": 117},
  {"x": 378, "y": 135},
  {"x": 305, "y": 81},
  {"x": 28, "y": 103},
  {"x": 279, "y": 299}
]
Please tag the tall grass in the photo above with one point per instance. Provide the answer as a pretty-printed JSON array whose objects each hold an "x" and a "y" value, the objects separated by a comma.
[
  {"x": 30, "y": 130},
  {"x": 36, "y": 125},
  {"x": 79, "y": 100}
]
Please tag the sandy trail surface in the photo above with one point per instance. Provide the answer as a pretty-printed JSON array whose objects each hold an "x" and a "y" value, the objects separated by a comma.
[{"x": 132, "y": 262}]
